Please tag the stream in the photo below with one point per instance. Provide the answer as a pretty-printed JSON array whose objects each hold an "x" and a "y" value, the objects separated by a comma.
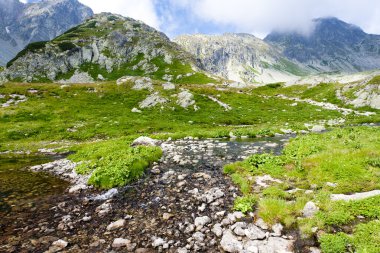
[{"x": 158, "y": 211}]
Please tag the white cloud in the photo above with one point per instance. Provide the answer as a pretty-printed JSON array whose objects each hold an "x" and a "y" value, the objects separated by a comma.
[
  {"x": 260, "y": 17},
  {"x": 138, "y": 9}
]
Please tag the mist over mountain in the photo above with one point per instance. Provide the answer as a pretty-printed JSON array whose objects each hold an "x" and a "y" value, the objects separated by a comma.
[
  {"x": 333, "y": 45},
  {"x": 23, "y": 23}
]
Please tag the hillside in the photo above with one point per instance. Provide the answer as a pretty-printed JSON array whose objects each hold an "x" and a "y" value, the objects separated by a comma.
[{"x": 105, "y": 47}]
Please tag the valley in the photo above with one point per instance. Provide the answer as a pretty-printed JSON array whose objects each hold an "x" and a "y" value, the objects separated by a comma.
[{"x": 116, "y": 138}]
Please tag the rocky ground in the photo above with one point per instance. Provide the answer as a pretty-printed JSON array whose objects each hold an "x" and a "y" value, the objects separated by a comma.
[{"x": 183, "y": 205}]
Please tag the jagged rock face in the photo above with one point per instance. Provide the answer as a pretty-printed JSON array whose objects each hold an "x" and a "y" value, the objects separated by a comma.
[
  {"x": 106, "y": 45},
  {"x": 21, "y": 24},
  {"x": 239, "y": 57},
  {"x": 333, "y": 45}
]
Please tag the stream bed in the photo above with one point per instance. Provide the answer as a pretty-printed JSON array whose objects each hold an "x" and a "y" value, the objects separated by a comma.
[{"x": 160, "y": 212}]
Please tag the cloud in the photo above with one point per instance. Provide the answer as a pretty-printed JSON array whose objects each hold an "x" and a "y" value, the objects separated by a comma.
[
  {"x": 261, "y": 17},
  {"x": 143, "y": 10}
]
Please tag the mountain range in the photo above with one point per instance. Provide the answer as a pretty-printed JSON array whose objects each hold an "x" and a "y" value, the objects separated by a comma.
[
  {"x": 23, "y": 23},
  {"x": 108, "y": 46}
]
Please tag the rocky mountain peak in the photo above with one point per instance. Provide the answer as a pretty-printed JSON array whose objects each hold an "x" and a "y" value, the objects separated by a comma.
[
  {"x": 238, "y": 56},
  {"x": 22, "y": 23},
  {"x": 333, "y": 45}
]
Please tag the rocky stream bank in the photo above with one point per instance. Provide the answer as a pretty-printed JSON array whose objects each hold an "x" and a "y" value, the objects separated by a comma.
[{"x": 184, "y": 204}]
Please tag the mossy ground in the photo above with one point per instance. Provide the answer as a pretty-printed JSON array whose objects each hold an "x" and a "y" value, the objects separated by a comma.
[{"x": 348, "y": 157}]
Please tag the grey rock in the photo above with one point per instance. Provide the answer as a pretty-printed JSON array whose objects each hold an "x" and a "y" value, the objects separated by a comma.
[
  {"x": 144, "y": 141},
  {"x": 277, "y": 229},
  {"x": 152, "y": 100},
  {"x": 200, "y": 222},
  {"x": 310, "y": 209},
  {"x": 230, "y": 243},
  {"x": 157, "y": 241},
  {"x": 254, "y": 233},
  {"x": 168, "y": 86},
  {"x": 212, "y": 195},
  {"x": 217, "y": 229},
  {"x": 185, "y": 99}
]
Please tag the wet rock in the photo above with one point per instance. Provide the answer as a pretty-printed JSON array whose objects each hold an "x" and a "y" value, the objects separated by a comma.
[
  {"x": 167, "y": 216},
  {"x": 200, "y": 222},
  {"x": 310, "y": 209},
  {"x": 57, "y": 246},
  {"x": 198, "y": 236},
  {"x": 144, "y": 141},
  {"x": 157, "y": 241},
  {"x": 103, "y": 209},
  {"x": 190, "y": 228},
  {"x": 230, "y": 243},
  {"x": 121, "y": 242},
  {"x": 77, "y": 188},
  {"x": 212, "y": 195},
  {"x": 217, "y": 229},
  {"x": 116, "y": 225},
  {"x": 107, "y": 195}
]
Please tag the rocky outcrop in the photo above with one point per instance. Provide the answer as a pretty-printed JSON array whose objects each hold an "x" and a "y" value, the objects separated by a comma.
[{"x": 21, "y": 24}]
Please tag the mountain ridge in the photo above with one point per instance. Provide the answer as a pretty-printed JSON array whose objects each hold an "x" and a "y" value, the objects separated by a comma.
[
  {"x": 333, "y": 45},
  {"x": 21, "y": 24}
]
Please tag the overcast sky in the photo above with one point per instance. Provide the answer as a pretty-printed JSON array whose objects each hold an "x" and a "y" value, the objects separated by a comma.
[{"x": 258, "y": 17}]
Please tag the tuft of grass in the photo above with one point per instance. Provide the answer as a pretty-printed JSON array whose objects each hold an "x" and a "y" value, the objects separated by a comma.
[{"x": 273, "y": 210}]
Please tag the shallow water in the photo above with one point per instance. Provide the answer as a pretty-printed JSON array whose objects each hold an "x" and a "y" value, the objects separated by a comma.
[{"x": 21, "y": 188}]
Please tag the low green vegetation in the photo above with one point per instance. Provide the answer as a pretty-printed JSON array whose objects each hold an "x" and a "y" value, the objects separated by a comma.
[
  {"x": 80, "y": 113},
  {"x": 344, "y": 160},
  {"x": 364, "y": 239},
  {"x": 374, "y": 80},
  {"x": 30, "y": 48},
  {"x": 245, "y": 204},
  {"x": 114, "y": 163}
]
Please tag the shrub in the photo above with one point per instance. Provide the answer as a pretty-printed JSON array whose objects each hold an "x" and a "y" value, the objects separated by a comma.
[
  {"x": 245, "y": 204},
  {"x": 66, "y": 46},
  {"x": 334, "y": 243}
]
